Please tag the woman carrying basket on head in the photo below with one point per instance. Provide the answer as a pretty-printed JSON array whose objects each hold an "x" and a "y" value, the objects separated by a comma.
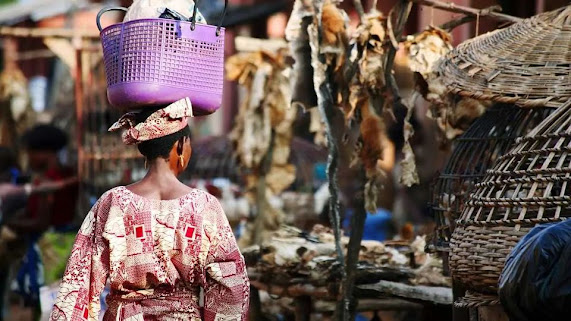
[{"x": 157, "y": 241}]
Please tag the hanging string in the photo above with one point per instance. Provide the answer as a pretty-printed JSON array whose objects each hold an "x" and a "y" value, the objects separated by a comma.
[
  {"x": 478, "y": 23},
  {"x": 431, "y": 16}
]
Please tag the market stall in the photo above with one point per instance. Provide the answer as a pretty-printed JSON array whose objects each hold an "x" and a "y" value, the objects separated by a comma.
[
  {"x": 346, "y": 83},
  {"x": 390, "y": 276}
]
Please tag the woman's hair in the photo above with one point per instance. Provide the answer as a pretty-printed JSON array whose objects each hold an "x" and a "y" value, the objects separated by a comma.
[
  {"x": 159, "y": 147},
  {"x": 7, "y": 162},
  {"x": 45, "y": 138}
]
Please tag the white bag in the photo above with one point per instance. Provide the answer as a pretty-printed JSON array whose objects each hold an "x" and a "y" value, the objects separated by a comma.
[{"x": 147, "y": 9}]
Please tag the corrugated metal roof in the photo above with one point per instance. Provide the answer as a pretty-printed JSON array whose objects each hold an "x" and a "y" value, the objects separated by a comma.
[{"x": 36, "y": 9}]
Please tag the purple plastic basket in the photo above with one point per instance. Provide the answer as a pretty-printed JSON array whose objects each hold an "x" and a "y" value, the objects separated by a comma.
[{"x": 153, "y": 62}]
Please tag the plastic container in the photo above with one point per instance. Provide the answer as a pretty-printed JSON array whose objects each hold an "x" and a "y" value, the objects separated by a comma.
[{"x": 154, "y": 62}]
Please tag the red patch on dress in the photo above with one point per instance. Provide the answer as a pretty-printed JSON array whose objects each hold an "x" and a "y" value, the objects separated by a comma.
[
  {"x": 139, "y": 231},
  {"x": 85, "y": 313},
  {"x": 189, "y": 232}
]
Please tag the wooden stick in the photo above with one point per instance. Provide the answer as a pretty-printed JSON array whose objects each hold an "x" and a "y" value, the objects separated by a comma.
[
  {"x": 326, "y": 104},
  {"x": 35, "y": 54},
  {"x": 405, "y": 7},
  {"x": 389, "y": 304},
  {"x": 248, "y": 44},
  {"x": 447, "y": 6},
  {"x": 353, "y": 249},
  {"x": 303, "y": 308},
  {"x": 294, "y": 290},
  {"x": 47, "y": 32},
  {"x": 255, "y": 312},
  {"x": 261, "y": 189},
  {"x": 438, "y": 295},
  {"x": 448, "y": 26},
  {"x": 359, "y": 8},
  {"x": 328, "y": 111},
  {"x": 111, "y": 156}
]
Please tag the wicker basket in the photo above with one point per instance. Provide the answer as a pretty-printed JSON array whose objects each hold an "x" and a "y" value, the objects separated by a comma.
[
  {"x": 525, "y": 64},
  {"x": 474, "y": 152},
  {"x": 475, "y": 300},
  {"x": 527, "y": 186}
]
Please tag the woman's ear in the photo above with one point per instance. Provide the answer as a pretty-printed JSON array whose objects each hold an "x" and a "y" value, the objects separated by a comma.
[{"x": 180, "y": 146}]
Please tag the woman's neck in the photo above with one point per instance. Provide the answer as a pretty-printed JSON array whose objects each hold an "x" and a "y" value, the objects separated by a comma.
[{"x": 160, "y": 174}]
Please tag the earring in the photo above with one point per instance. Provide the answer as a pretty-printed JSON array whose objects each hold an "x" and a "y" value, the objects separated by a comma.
[
  {"x": 181, "y": 160},
  {"x": 146, "y": 163}
]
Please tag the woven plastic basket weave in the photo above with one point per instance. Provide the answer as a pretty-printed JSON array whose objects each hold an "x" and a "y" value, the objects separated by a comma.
[
  {"x": 488, "y": 138},
  {"x": 153, "y": 62},
  {"x": 525, "y": 64},
  {"x": 529, "y": 185}
]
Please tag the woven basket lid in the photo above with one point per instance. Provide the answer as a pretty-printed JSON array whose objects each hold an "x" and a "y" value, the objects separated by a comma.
[
  {"x": 529, "y": 185},
  {"x": 527, "y": 63}
]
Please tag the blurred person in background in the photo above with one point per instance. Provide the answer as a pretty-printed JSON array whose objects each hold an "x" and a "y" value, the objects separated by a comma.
[
  {"x": 42, "y": 145},
  {"x": 13, "y": 199}
]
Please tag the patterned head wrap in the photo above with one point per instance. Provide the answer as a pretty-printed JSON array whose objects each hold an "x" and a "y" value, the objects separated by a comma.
[{"x": 162, "y": 122}]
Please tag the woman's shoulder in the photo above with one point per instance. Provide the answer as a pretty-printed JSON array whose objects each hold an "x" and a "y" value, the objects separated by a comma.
[
  {"x": 115, "y": 191},
  {"x": 202, "y": 194},
  {"x": 113, "y": 195},
  {"x": 201, "y": 201}
]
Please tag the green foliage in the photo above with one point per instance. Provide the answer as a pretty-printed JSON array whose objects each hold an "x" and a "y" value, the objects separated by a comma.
[{"x": 56, "y": 248}]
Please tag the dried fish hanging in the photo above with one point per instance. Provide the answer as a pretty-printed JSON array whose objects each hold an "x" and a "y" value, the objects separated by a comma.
[
  {"x": 263, "y": 133},
  {"x": 452, "y": 114},
  {"x": 366, "y": 86},
  {"x": 303, "y": 95},
  {"x": 329, "y": 41},
  {"x": 298, "y": 38}
]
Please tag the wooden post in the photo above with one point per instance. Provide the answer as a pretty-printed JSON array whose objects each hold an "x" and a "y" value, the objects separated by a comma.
[
  {"x": 353, "y": 249},
  {"x": 255, "y": 312},
  {"x": 7, "y": 125},
  {"x": 449, "y": 6},
  {"x": 79, "y": 130},
  {"x": 303, "y": 307},
  {"x": 492, "y": 313},
  {"x": 459, "y": 314},
  {"x": 261, "y": 199}
]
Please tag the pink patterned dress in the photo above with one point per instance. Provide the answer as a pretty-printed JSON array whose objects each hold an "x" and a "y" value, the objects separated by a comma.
[{"x": 156, "y": 256}]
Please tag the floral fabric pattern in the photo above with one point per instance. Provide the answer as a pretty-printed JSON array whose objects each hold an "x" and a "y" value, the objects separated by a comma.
[{"x": 156, "y": 255}]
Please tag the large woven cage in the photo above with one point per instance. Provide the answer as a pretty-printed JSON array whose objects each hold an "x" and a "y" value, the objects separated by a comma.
[
  {"x": 529, "y": 185},
  {"x": 488, "y": 138},
  {"x": 526, "y": 63}
]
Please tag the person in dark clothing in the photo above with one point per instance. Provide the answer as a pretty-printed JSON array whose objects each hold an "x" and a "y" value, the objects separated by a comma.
[
  {"x": 56, "y": 210},
  {"x": 42, "y": 144},
  {"x": 14, "y": 198}
]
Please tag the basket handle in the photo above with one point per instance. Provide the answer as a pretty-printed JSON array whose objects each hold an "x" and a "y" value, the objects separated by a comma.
[
  {"x": 218, "y": 27},
  {"x": 104, "y": 10}
]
